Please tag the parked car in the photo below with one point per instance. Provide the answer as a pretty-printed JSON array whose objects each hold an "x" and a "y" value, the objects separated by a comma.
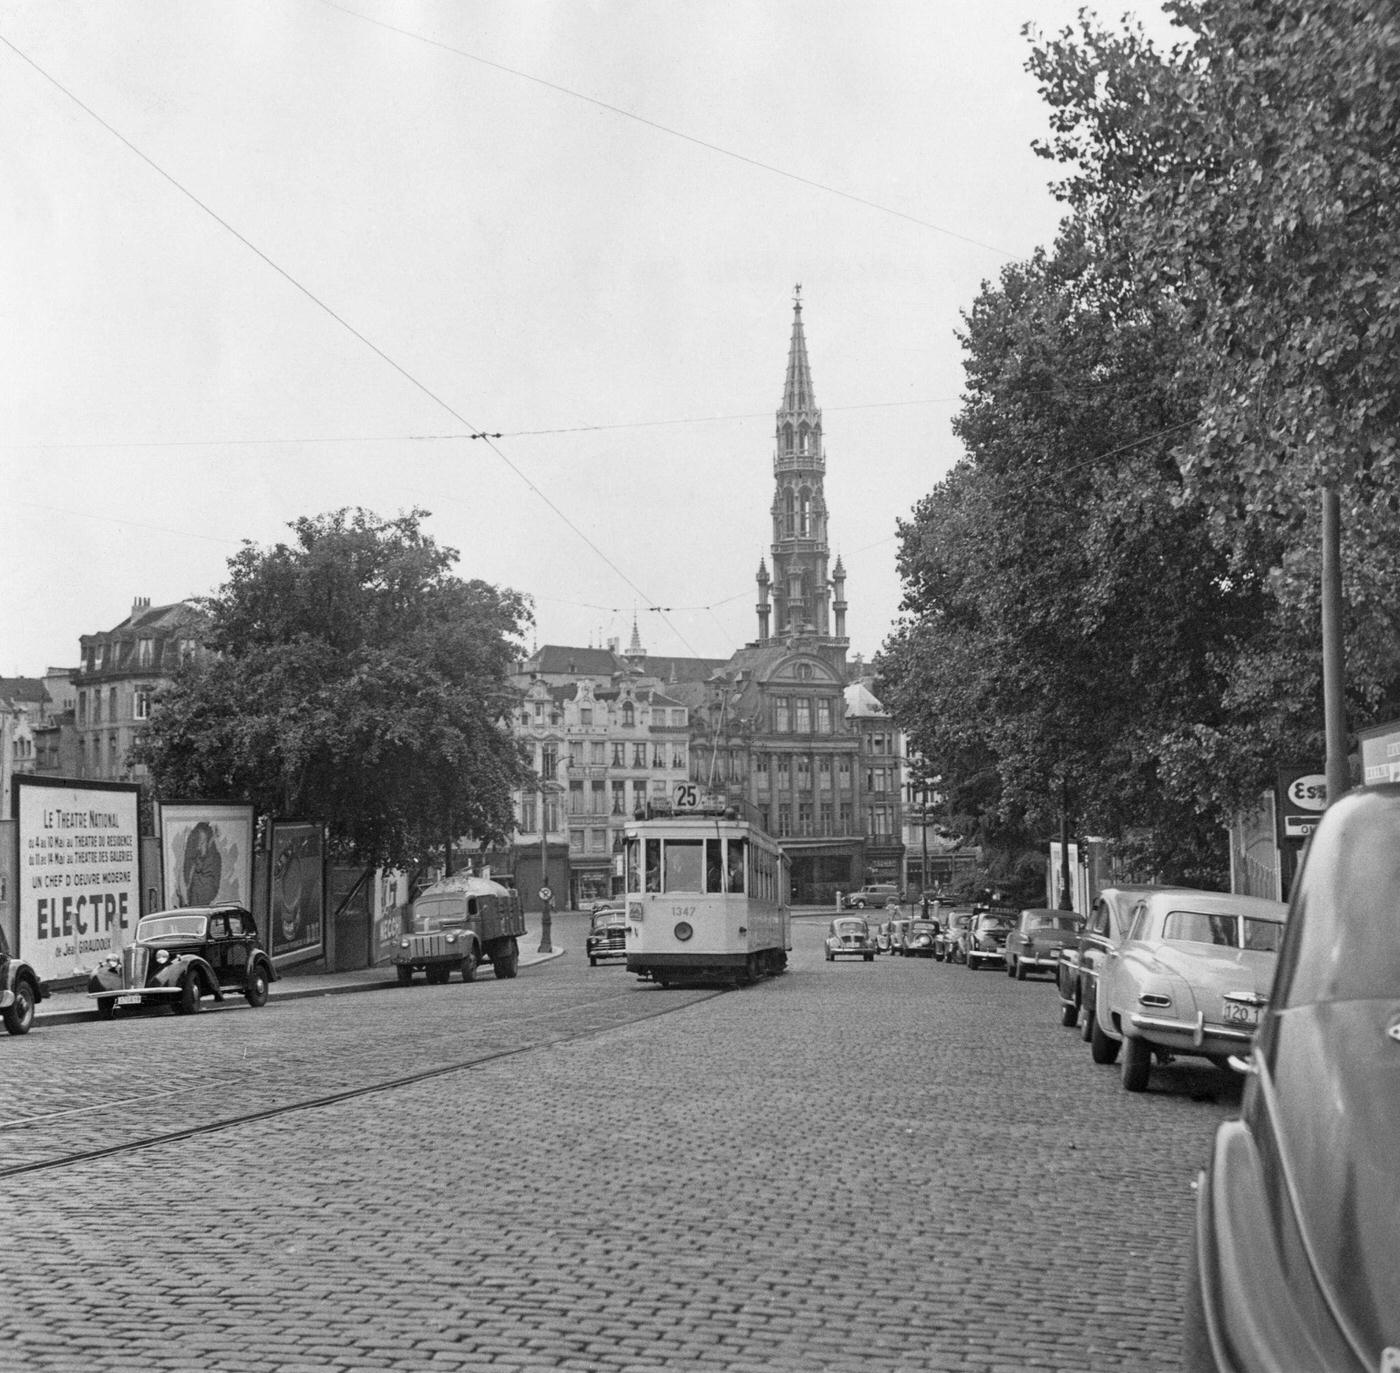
[
  {"x": 918, "y": 943},
  {"x": 1035, "y": 941},
  {"x": 1297, "y": 1227},
  {"x": 607, "y": 935},
  {"x": 984, "y": 939},
  {"x": 899, "y": 930},
  {"x": 1078, "y": 972},
  {"x": 1191, "y": 977},
  {"x": 874, "y": 897},
  {"x": 947, "y": 946},
  {"x": 882, "y": 937},
  {"x": 849, "y": 937},
  {"x": 178, "y": 957},
  {"x": 21, "y": 990}
]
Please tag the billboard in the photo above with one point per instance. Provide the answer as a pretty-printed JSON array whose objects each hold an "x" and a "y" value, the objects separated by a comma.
[
  {"x": 206, "y": 853},
  {"x": 79, "y": 871},
  {"x": 297, "y": 898}
]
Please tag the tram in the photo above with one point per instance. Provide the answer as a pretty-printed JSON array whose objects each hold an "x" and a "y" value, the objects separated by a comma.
[{"x": 707, "y": 897}]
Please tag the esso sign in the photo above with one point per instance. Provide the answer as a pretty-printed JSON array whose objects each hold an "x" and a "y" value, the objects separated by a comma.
[{"x": 1310, "y": 792}]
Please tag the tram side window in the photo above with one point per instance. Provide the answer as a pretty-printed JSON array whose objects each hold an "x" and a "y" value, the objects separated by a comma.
[
  {"x": 736, "y": 865},
  {"x": 634, "y": 856},
  {"x": 684, "y": 865},
  {"x": 714, "y": 866},
  {"x": 653, "y": 865}
]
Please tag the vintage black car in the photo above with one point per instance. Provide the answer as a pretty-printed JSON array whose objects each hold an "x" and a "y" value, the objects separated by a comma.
[
  {"x": 607, "y": 935},
  {"x": 21, "y": 990},
  {"x": 178, "y": 957},
  {"x": 1297, "y": 1228},
  {"x": 918, "y": 941}
]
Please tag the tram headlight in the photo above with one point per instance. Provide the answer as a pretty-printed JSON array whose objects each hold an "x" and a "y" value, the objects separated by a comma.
[{"x": 683, "y": 931}]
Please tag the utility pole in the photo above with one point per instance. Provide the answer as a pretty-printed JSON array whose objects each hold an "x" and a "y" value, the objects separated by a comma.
[
  {"x": 546, "y": 896},
  {"x": 1333, "y": 679}
]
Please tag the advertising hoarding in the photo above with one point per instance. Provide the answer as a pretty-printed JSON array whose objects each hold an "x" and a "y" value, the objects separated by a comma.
[
  {"x": 1380, "y": 754},
  {"x": 206, "y": 853},
  {"x": 297, "y": 896},
  {"x": 79, "y": 871}
]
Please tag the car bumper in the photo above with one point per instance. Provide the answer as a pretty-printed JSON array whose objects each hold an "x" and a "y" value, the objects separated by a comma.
[
  {"x": 607, "y": 953},
  {"x": 1038, "y": 962},
  {"x": 1195, "y": 1037}
]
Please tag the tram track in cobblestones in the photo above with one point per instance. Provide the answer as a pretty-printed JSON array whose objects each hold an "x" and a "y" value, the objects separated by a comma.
[{"x": 12, "y": 1130}]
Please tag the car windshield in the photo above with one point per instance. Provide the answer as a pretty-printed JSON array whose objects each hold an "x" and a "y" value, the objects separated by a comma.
[
  {"x": 991, "y": 922},
  {"x": 601, "y": 919},
  {"x": 849, "y": 927},
  {"x": 1054, "y": 922},
  {"x": 166, "y": 926},
  {"x": 921, "y": 927}
]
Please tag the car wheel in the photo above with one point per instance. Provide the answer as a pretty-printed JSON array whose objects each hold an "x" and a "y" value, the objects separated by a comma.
[
  {"x": 870, "y": 958},
  {"x": 1019, "y": 970},
  {"x": 971, "y": 964},
  {"x": 1086, "y": 1026},
  {"x": 830, "y": 957},
  {"x": 1137, "y": 1063},
  {"x": 190, "y": 993},
  {"x": 405, "y": 974},
  {"x": 1103, "y": 1048},
  {"x": 592, "y": 962},
  {"x": 1010, "y": 967},
  {"x": 19, "y": 1014},
  {"x": 256, "y": 990},
  {"x": 1069, "y": 1013},
  {"x": 468, "y": 968},
  {"x": 107, "y": 1008},
  {"x": 507, "y": 965}
]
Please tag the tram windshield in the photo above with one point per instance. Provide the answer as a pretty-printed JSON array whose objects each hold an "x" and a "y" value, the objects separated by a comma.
[{"x": 711, "y": 865}]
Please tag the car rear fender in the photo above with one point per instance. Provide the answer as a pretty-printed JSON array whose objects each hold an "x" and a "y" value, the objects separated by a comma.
[{"x": 1262, "y": 1313}]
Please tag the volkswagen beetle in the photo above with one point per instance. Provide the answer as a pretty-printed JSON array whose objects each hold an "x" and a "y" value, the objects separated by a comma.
[{"x": 1297, "y": 1228}]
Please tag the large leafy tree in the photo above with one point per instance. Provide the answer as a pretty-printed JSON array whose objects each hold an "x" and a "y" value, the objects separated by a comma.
[
  {"x": 1250, "y": 177},
  {"x": 352, "y": 678}
]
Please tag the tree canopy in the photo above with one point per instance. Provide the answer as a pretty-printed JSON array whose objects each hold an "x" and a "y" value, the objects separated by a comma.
[
  {"x": 352, "y": 678},
  {"x": 1110, "y": 604}
]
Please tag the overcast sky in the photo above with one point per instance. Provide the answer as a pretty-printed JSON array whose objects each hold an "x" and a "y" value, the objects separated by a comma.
[{"x": 267, "y": 258}]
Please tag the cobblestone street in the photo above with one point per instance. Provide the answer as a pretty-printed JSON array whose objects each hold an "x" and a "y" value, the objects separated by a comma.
[{"x": 887, "y": 1165}]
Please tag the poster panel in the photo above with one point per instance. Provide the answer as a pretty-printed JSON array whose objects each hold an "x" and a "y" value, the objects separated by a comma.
[
  {"x": 297, "y": 896},
  {"x": 206, "y": 852},
  {"x": 391, "y": 899},
  {"x": 79, "y": 871}
]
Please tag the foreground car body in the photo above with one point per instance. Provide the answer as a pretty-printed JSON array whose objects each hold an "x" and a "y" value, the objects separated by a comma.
[
  {"x": 947, "y": 945},
  {"x": 848, "y": 936},
  {"x": 1297, "y": 1224},
  {"x": 607, "y": 935},
  {"x": 1190, "y": 978},
  {"x": 178, "y": 957},
  {"x": 21, "y": 990},
  {"x": 1034, "y": 945}
]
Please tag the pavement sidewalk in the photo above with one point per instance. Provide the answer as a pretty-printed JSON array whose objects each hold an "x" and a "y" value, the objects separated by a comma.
[{"x": 69, "y": 1007}]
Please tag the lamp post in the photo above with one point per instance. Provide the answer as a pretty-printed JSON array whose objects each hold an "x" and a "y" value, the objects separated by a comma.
[
  {"x": 923, "y": 832},
  {"x": 546, "y": 895}
]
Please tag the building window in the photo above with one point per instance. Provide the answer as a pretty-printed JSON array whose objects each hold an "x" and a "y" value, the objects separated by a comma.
[
  {"x": 828, "y": 818},
  {"x": 843, "y": 770},
  {"x": 597, "y": 753},
  {"x": 639, "y": 796},
  {"x": 803, "y": 672},
  {"x": 639, "y": 755},
  {"x": 97, "y": 658},
  {"x": 549, "y": 761},
  {"x": 880, "y": 821},
  {"x": 575, "y": 753},
  {"x": 82, "y": 707},
  {"x": 619, "y": 755},
  {"x": 585, "y": 715},
  {"x": 803, "y": 724},
  {"x": 576, "y": 840},
  {"x": 678, "y": 718},
  {"x": 824, "y": 715},
  {"x": 784, "y": 771},
  {"x": 551, "y": 815},
  {"x": 619, "y": 798},
  {"x": 629, "y": 714},
  {"x": 111, "y": 703},
  {"x": 804, "y": 817},
  {"x": 658, "y": 757},
  {"x": 678, "y": 757},
  {"x": 599, "y": 798},
  {"x": 597, "y": 841},
  {"x": 539, "y": 712},
  {"x": 804, "y": 773},
  {"x": 877, "y": 779},
  {"x": 97, "y": 706},
  {"x": 145, "y": 652},
  {"x": 141, "y": 704},
  {"x": 845, "y": 817},
  {"x": 784, "y": 820},
  {"x": 782, "y": 716}
]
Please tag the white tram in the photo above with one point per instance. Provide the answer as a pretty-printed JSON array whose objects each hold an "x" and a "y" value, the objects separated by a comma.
[{"x": 707, "y": 898}]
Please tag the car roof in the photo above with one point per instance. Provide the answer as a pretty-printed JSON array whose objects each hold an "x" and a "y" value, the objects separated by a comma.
[{"x": 1218, "y": 902}]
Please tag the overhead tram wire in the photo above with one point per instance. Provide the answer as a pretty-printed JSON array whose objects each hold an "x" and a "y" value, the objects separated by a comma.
[
  {"x": 670, "y": 132},
  {"x": 345, "y": 324}
]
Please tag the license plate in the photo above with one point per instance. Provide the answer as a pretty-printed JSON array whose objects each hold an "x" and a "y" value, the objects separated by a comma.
[
  {"x": 1240, "y": 1013},
  {"x": 128, "y": 1001}
]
